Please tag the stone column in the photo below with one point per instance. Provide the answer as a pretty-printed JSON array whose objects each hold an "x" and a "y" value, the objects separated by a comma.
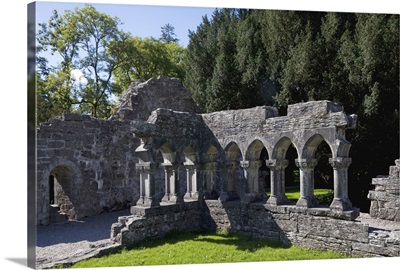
[
  {"x": 306, "y": 167},
  {"x": 277, "y": 171},
  {"x": 147, "y": 189},
  {"x": 210, "y": 171},
  {"x": 171, "y": 185},
  {"x": 340, "y": 183},
  {"x": 192, "y": 192},
  {"x": 229, "y": 185},
  {"x": 250, "y": 168}
]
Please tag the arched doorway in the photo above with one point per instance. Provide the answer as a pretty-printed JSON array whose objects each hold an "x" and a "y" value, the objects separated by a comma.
[{"x": 60, "y": 193}]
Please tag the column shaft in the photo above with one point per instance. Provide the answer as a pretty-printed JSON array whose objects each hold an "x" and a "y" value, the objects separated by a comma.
[
  {"x": 306, "y": 167},
  {"x": 277, "y": 172},
  {"x": 147, "y": 185},
  {"x": 340, "y": 166}
]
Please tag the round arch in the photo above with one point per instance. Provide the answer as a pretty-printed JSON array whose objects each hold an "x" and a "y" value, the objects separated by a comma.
[
  {"x": 311, "y": 145},
  {"x": 254, "y": 150},
  {"x": 168, "y": 154},
  {"x": 281, "y": 147},
  {"x": 60, "y": 179}
]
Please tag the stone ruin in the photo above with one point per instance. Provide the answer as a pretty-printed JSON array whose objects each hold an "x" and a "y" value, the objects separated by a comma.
[{"x": 179, "y": 169}]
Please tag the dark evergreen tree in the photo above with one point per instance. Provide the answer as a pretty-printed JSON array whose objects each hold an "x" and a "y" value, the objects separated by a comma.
[
  {"x": 242, "y": 58},
  {"x": 168, "y": 34}
]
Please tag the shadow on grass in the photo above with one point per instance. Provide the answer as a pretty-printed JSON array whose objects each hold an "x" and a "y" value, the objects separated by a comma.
[{"x": 240, "y": 241}]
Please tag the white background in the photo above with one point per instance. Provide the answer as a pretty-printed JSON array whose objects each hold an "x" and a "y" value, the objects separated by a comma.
[{"x": 13, "y": 168}]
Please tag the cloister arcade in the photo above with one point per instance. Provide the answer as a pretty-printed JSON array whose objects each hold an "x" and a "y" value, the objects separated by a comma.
[{"x": 227, "y": 167}]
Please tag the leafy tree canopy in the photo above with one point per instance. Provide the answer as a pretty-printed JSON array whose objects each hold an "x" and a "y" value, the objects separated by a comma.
[{"x": 98, "y": 62}]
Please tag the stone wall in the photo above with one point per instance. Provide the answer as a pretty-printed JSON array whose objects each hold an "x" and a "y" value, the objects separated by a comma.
[
  {"x": 310, "y": 228},
  {"x": 93, "y": 161},
  {"x": 156, "y": 222},
  {"x": 143, "y": 97},
  {"x": 385, "y": 198}
]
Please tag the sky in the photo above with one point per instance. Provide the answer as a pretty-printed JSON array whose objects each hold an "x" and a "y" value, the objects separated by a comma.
[
  {"x": 14, "y": 136},
  {"x": 140, "y": 20}
]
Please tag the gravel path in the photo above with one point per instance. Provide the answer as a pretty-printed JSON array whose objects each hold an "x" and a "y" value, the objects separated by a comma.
[{"x": 71, "y": 241}]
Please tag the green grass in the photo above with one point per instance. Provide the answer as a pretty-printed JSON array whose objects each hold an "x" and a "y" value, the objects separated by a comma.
[
  {"x": 323, "y": 196},
  {"x": 190, "y": 248},
  {"x": 294, "y": 194}
]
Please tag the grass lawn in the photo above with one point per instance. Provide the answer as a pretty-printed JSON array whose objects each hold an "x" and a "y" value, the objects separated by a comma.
[
  {"x": 324, "y": 196},
  {"x": 294, "y": 194},
  {"x": 190, "y": 248}
]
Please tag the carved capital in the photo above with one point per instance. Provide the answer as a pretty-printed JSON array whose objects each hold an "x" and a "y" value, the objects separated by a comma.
[
  {"x": 251, "y": 164},
  {"x": 276, "y": 164},
  {"x": 340, "y": 163},
  {"x": 146, "y": 166},
  {"x": 244, "y": 163},
  {"x": 306, "y": 163}
]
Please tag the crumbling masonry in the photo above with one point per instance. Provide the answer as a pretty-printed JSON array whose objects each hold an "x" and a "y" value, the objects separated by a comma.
[{"x": 181, "y": 170}]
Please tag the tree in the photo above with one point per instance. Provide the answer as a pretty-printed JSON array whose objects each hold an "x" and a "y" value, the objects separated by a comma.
[
  {"x": 81, "y": 38},
  {"x": 292, "y": 56},
  {"x": 216, "y": 73},
  {"x": 147, "y": 58},
  {"x": 168, "y": 34}
]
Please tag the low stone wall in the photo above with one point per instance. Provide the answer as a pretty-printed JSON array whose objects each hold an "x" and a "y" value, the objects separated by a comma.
[
  {"x": 157, "y": 222},
  {"x": 317, "y": 228},
  {"x": 385, "y": 199}
]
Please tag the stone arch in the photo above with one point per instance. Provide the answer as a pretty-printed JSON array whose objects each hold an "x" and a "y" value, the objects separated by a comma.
[
  {"x": 233, "y": 152},
  {"x": 189, "y": 155},
  {"x": 254, "y": 188},
  {"x": 254, "y": 150},
  {"x": 281, "y": 147},
  {"x": 277, "y": 165},
  {"x": 168, "y": 154},
  {"x": 210, "y": 165},
  {"x": 339, "y": 162},
  {"x": 233, "y": 172},
  {"x": 61, "y": 179},
  {"x": 311, "y": 144}
]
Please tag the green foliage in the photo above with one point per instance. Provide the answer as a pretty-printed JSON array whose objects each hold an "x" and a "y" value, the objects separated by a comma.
[
  {"x": 168, "y": 34},
  {"x": 214, "y": 67},
  {"x": 242, "y": 58},
  {"x": 190, "y": 248},
  {"x": 147, "y": 58},
  {"x": 109, "y": 59},
  {"x": 81, "y": 37}
]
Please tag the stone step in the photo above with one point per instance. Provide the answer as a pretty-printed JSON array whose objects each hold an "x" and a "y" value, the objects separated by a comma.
[{"x": 54, "y": 214}]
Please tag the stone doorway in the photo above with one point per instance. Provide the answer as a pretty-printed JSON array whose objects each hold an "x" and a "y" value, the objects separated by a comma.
[{"x": 60, "y": 189}]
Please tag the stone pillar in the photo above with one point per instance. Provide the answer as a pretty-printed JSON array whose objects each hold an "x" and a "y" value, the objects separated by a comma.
[
  {"x": 192, "y": 192},
  {"x": 229, "y": 185},
  {"x": 210, "y": 172},
  {"x": 171, "y": 185},
  {"x": 306, "y": 167},
  {"x": 252, "y": 191},
  {"x": 277, "y": 171},
  {"x": 340, "y": 183},
  {"x": 147, "y": 189}
]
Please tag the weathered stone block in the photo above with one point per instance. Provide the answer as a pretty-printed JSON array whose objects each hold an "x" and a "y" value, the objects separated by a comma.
[
  {"x": 56, "y": 144},
  {"x": 313, "y": 108}
]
